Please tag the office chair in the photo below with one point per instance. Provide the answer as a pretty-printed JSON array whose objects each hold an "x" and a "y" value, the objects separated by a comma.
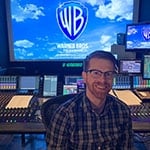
[{"x": 49, "y": 107}]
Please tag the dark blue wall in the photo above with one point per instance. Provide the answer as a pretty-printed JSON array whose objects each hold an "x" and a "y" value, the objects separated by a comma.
[
  {"x": 3, "y": 36},
  {"x": 144, "y": 11}
]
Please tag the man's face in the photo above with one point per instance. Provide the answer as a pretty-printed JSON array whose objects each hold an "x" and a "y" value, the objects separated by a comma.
[{"x": 99, "y": 77}]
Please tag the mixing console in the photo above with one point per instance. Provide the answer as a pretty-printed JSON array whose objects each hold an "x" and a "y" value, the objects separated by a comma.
[
  {"x": 26, "y": 117},
  {"x": 31, "y": 114},
  {"x": 16, "y": 114},
  {"x": 143, "y": 94},
  {"x": 141, "y": 112}
]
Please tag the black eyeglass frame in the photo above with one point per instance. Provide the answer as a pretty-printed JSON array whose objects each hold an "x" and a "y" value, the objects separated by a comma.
[{"x": 107, "y": 74}]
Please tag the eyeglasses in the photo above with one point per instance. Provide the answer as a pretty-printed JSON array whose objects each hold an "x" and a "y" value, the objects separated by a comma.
[{"x": 98, "y": 73}]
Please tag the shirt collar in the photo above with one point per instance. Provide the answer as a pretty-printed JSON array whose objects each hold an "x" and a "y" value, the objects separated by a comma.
[{"x": 89, "y": 106}]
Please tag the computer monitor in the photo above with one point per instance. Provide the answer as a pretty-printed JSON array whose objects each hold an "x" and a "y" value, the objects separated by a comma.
[
  {"x": 49, "y": 85},
  {"x": 80, "y": 85},
  {"x": 28, "y": 84},
  {"x": 146, "y": 66},
  {"x": 54, "y": 30},
  {"x": 128, "y": 66},
  {"x": 69, "y": 89},
  {"x": 72, "y": 79},
  {"x": 138, "y": 37}
]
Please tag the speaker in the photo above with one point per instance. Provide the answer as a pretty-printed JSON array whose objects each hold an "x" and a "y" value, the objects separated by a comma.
[{"x": 121, "y": 38}]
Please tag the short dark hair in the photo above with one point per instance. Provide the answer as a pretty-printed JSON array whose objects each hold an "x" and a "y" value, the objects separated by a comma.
[{"x": 100, "y": 54}]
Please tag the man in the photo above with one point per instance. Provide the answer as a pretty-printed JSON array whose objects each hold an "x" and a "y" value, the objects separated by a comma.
[{"x": 93, "y": 120}]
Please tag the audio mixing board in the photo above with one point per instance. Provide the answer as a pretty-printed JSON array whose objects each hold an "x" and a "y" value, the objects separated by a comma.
[{"x": 16, "y": 113}]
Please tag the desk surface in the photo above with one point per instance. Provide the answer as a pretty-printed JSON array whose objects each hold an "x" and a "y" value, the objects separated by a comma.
[
  {"x": 141, "y": 126},
  {"x": 22, "y": 128},
  {"x": 39, "y": 127}
]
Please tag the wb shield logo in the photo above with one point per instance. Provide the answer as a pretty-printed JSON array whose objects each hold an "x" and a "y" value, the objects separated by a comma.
[
  {"x": 146, "y": 33},
  {"x": 72, "y": 19}
]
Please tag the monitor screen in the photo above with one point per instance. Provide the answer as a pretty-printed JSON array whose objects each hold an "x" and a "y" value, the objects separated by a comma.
[
  {"x": 140, "y": 83},
  {"x": 138, "y": 37},
  {"x": 64, "y": 29},
  {"x": 80, "y": 83},
  {"x": 146, "y": 67},
  {"x": 122, "y": 82},
  {"x": 8, "y": 82},
  {"x": 127, "y": 66},
  {"x": 72, "y": 79},
  {"x": 69, "y": 89},
  {"x": 50, "y": 85},
  {"x": 28, "y": 82}
]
